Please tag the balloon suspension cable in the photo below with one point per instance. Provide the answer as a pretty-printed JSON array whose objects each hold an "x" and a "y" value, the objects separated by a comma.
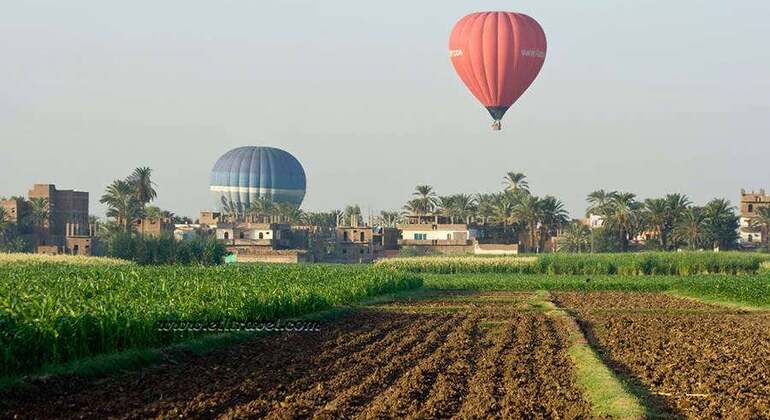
[{"x": 496, "y": 125}]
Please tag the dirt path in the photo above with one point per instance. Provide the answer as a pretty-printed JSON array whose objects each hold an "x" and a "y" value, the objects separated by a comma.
[{"x": 458, "y": 354}]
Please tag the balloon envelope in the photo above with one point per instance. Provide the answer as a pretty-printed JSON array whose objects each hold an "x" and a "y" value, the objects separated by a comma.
[{"x": 497, "y": 55}]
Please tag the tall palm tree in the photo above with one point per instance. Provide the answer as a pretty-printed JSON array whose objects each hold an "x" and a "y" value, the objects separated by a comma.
[
  {"x": 553, "y": 218},
  {"x": 122, "y": 204},
  {"x": 427, "y": 198},
  {"x": 691, "y": 228},
  {"x": 445, "y": 207},
  {"x": 761, "y": 222},
  {"x": 485, "y": 207},
  {"x": 464, "y": 206},
  {"x": 622, "y": 217},
  {"x": 598, "y": 202},
  {"x": 655, "y": 215},
  {"x": 502, "y": 209},
  {"x": 144, "y": 187},
  {"x": 722, "y": 223},
  {"x": 677, "y": 205},
  {"x": 528, "y": 210},
  {"x": 516, "y": 182}
]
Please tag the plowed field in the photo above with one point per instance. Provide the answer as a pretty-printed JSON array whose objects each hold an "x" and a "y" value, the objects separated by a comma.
[
  {"x": 453, "y": 355},
  {"x": 702, "y": 360}
]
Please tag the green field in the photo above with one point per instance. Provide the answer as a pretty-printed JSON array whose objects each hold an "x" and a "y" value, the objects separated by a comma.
[
  {"x": 54, "y": 311},
  {"x": 749, "y": 290},
  {"x": 630, "y": 264},
  {"x": 58, "y": 312}
]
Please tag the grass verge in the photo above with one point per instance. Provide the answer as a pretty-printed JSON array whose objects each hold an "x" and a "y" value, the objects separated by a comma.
[{"x": 607, "y": 393}]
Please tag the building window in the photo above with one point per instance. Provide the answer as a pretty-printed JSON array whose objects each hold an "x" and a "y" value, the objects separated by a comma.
[
  {"x": 261, "y": 236},
  {"x": 345, "y": 235},
  {"x": 227, "y": 235},
  {"x": 751, "y": 238},
  {"x": 344, "y": 251},
  {"x": 75, "y": 250},
  {"x": 362, "y": 237},
  {"x": 361, "y": 251},
  {"x": 751, "y": 208},
  {"x": 420, "y": 236}
]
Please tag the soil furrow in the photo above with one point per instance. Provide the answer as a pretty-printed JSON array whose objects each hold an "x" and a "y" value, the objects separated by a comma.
[{"x": 413, "y": 387}]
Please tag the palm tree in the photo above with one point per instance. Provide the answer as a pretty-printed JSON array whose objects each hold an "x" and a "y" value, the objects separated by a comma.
[
  {"x": 622, "y": 217},
  {"x": 529, "y": 211},
  {"x": 353, "y": 213},
  {"x": 761, "y": 222},
  {"x": 122, "y": 204},
  {"x": 259, "y": 210},
  {"x": 287, "y": 213},
  {"x": 576, "y": 238},
  {"x": 691, "y": 228},
  {"x": 677, "y": 205},
  {"x": 598, "y": 202},
  {"x": 502, "y": 209},
  {"x": 426, "y": 198},
  {"x": 485, "y": 206},
  {"x": 231, "y": 210},
  {"x": 445, "y": 207},
  {"x": 39, "y": 212},
  {"x": 655, "y": 215},
  {"x": 144, "y": 188},
  {"x": 389, "y": 218},
  {"x": 153, "y": 213},
  {"x": 516, "y": 182},
  {"x": 464, "y": 206},
  {"x": 553, "y": 218},
  {"x": 722, "y": 223}
]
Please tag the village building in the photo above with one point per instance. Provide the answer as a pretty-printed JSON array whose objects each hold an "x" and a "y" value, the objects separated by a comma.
[
  {"x": 751, "y": 202},
  {"x": 153, "y": 227},
  {"x": 262, "y": 242},
  {"x": 361, "y": 244},
  {"x": 66, "y": 229}
]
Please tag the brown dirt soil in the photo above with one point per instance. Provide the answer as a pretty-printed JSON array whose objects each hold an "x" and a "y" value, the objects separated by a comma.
[
  {"x": 703, "y": 361},
  {"x": 485, "y": 359}
]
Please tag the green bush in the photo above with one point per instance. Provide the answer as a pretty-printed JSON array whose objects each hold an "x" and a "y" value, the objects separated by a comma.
[{"x": 164, "y": 249}]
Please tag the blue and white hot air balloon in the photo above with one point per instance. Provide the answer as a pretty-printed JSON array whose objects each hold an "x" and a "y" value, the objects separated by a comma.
[{"x": 245, "y": 174}]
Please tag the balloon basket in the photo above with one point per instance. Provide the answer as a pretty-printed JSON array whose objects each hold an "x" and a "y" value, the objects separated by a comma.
[{"x": 496, "y": 125}]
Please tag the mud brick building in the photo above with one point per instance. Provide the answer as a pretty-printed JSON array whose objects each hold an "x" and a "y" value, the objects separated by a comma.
[
  {"x": 751, "y": 202},
  {"x": 67, "y": 228}
]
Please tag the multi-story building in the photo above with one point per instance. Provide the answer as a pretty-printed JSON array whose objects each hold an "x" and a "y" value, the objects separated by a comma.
[
  {"x": 751, "y": 202},
  {"x": 439, "y": 237},
  {"x": 153, "y": 227},
  {"x": 67, "y": 228},
  {"x": 359, "y": 244}
]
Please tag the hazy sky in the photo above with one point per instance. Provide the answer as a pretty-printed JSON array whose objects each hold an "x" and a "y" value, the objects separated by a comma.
[{"x": 644, "y": 96}]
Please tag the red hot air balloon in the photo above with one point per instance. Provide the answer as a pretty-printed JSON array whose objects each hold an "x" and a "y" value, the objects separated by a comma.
[{"x": 497, "y": 55}]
